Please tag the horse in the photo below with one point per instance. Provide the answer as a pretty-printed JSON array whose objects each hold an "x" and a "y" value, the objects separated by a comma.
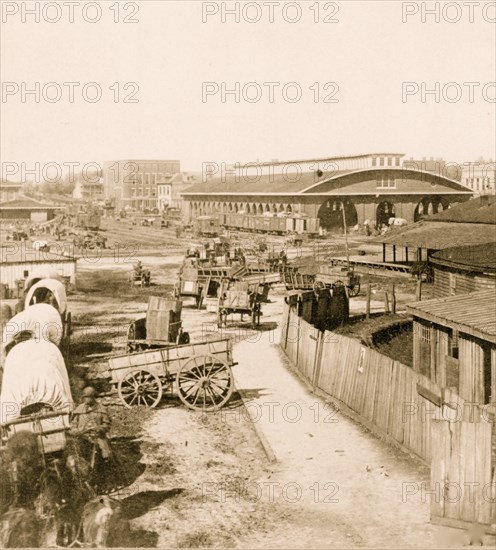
[
  {"x": 101, "y": 521},
  {"x": 20, "y": 528}
]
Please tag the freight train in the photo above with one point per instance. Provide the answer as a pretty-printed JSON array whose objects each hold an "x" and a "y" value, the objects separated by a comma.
[{"x": 212, "y": 225}]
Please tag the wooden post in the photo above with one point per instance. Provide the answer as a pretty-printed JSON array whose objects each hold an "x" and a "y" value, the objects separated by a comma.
[
  {"x": 367, "y": 307},
  {"x": 418, "y": 293},
  {"x": 393, "y": 300},
  {"x": 394, "y": 253},
  {"x": 406, "y": 254},
  {"x": 383, "y": 253},
  {"x": 386, "y": 302}
]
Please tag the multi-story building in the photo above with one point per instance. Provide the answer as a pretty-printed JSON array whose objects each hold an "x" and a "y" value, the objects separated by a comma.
[
  {"x": 480, "y": 176},
  {"x": 88, "y": 190},
  {"x": 134, "y": 183},
  {"x": 9, "y": 191}
]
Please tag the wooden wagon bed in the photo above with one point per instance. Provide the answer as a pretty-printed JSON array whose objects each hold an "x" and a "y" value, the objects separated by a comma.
[{"x": 202, "y": 372}]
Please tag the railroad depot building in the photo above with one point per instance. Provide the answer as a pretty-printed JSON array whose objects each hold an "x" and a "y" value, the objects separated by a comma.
[{"x": 372, "y": 187}]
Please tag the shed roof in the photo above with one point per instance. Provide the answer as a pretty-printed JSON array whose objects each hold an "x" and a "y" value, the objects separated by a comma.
[
  {"x": 17, "y": 253},
  {"x": 27, "y": 203},
  {"x": 479, "y": 258},
  {"x": 439, "y": 235},
  {"x": 472, "y": 313},
  {"x": 479, "y": 210}
]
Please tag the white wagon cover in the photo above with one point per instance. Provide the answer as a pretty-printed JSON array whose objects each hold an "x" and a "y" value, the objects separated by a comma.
[
  {"x": 56, "y": 288},
  {"x": 42, "y": 272},
  {"x": 34, "y": 372},
  {"x": 42, "y": 320}
]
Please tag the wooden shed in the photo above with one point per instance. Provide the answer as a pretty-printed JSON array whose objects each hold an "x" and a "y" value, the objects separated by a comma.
[
  {"x": 454, "y": 343},
  {"x": 463, "y": 269}
]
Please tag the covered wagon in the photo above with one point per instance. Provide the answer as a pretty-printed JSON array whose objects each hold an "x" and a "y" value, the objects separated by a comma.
[
  {"x": 37, "y": 322},
  {"x": 36, "y": 395},
  {"x": 40, "y": 273},
  {"x": 51, "y": 291}
]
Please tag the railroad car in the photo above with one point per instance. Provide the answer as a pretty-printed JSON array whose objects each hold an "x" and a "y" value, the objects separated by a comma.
[{"x": 269, "y": 224}]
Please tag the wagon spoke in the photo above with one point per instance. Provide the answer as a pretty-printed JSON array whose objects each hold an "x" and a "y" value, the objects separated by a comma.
[
  {"x": 196, "y": 398},
  {"x": 212, "y": 397},
  {"x": 140, "y": 387}
]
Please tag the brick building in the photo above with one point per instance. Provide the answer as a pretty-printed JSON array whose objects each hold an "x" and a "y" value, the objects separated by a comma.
[{"x": 134, "y": 183}]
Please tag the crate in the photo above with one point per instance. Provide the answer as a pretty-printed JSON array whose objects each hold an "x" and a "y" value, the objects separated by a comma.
[
  {"x": 163, "y": 319},
  {"x": 236, "y": 299}
]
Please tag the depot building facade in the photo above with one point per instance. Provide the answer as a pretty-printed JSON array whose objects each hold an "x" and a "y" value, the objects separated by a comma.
[{"x": 373, "y": 187}]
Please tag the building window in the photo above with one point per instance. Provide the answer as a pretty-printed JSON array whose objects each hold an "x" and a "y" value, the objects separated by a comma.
[
  {"x": 374, "y": 161},
  {"x": 382, "y": 161},
  {"x": 453, "y": 344},
  {"x": 386, "y": 182},
  {"x": 397, "y": 161},
  {"x": 390, "y": 161}
]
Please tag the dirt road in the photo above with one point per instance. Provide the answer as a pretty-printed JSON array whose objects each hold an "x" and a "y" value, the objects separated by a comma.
[{"x": 345, "y": 487}]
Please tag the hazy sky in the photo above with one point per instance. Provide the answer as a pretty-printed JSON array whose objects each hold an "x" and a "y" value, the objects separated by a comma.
[{"x": 171, "y": 52}]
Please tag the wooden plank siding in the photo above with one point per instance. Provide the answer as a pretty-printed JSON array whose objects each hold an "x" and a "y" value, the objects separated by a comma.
[
  {"x": 448, "y": 282},
  {"x": 452, "y": 431}
]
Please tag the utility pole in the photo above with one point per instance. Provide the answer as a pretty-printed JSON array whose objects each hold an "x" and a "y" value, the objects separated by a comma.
[{"x": 345, "y": 235}]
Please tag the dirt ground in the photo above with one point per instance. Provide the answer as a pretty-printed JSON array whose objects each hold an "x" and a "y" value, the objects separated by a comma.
[{"x": 204, "y": 480}]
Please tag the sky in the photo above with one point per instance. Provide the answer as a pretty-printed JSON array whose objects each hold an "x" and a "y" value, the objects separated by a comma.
[{"x": 371, "y": 60}]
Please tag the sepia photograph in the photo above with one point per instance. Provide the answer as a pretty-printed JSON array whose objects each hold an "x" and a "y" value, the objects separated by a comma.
[{"x": 248, "y": 274}]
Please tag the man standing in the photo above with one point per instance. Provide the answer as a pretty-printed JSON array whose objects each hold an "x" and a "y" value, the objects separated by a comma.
[{"x": 92, "y": 419}]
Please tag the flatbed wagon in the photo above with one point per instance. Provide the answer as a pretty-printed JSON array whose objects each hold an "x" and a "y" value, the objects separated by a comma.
[
  {"x": 339, "y": 275},
  {"x": 201, "y": 371}
]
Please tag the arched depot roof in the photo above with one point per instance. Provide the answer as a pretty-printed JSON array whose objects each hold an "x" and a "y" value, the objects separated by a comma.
[{"x": 367, "y": 181}]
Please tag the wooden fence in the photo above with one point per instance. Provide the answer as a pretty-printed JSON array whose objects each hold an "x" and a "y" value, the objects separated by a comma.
[{"x": 394, "y": 400}]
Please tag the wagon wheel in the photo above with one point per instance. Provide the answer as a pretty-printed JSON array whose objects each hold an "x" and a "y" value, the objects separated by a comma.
[
  {"x": 205, "y": 382},
  {"x": 354, "y": 290},
  {"x": 140, "y": 387}
]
